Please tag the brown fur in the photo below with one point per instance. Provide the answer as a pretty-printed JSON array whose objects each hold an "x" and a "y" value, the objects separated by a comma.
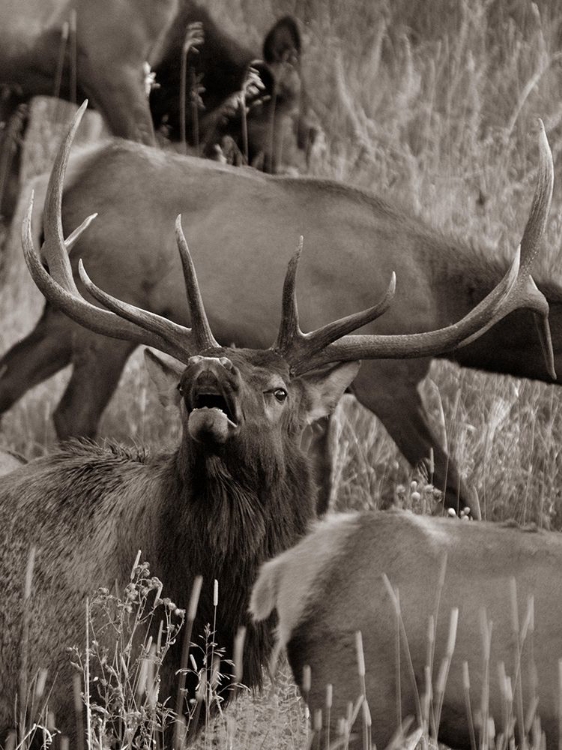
[
  {"x": 234, "y": 220},
  {"x": 114, "y": 41},
  {"x": 210, "y": 508},
  {"x": 344, "y": 592}
]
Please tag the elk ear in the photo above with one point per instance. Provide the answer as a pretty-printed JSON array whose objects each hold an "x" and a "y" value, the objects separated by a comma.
[
  {"x": 165, "y": 376},
  {"x": 324, "y": 388},
  {"x": 283, "y": 41}
]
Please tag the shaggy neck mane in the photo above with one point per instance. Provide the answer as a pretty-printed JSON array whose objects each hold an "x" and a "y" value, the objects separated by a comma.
[
  {"x": 226, "y": 493},
  {"x": 224, "y": 528}
]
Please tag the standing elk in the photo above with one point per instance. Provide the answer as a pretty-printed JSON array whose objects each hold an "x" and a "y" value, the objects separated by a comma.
[
  {"x": 241, "y": 222},
  {"x": 108, "y": 46},
  {"x": 399, "y": 578},
  {"x": 236, "y": 491}
]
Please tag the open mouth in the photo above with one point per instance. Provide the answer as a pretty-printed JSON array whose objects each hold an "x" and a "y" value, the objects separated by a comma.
[{"x": 214, "y": 401}]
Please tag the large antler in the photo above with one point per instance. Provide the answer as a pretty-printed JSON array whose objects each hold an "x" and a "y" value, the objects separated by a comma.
[
  {"x": 307, "y": 351},
  {"x": 120, "y": 320}
]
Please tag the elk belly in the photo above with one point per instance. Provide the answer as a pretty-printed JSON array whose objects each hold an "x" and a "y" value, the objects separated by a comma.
[{"x": 210, "y": 425}]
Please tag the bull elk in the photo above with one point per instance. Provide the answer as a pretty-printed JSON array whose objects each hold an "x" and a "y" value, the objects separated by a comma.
[
  {"x": 236, "y": 490},
  {"x": 420, "y": 617},
  {"x": 97, "y": 49},
  {"x": 243, "y": 222}
]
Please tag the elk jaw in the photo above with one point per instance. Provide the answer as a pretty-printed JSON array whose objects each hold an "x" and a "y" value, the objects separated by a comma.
[{"x": 212, "y": 415}]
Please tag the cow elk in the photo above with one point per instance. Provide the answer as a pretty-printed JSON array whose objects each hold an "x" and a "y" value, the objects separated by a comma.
[
  {"x": 99, "y": 49},
  {"x": 243, "y": 222},
  {"x": 235, "y": 492},
  {"x": 421, "y": 617}
]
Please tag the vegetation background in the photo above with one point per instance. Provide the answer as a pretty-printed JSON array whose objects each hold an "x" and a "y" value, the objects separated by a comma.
[{"x": 432, "y": 104}]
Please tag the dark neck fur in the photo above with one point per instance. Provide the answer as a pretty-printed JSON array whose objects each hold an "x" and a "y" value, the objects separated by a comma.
[{"x": 225, "y": 528}]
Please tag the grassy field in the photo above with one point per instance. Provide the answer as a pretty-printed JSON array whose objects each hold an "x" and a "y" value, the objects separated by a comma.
[{"x": 433, "y": 105}]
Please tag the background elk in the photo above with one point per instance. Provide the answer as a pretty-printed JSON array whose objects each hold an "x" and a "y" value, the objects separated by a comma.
[
  {"x": 280, "y": 122},
  {"x": 400, "y": 576},
  {"x": 236, "y": 219},
  {"x": 103, "y": 59},
  {"x": 233, "y": 493},
  {"x": 107, "y": 47}
]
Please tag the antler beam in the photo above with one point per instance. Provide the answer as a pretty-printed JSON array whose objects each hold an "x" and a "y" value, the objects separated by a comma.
[
  {"x": 120, "y": 320},
  {"x": 307, "y": 351}
]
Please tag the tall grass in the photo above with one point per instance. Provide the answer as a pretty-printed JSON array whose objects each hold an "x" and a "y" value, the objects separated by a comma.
[{"x": 432, "y": 105}]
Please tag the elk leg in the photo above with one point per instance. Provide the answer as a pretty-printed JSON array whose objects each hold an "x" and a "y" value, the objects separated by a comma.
[
  {"x": 42, "y": 353},
  {"x": 309, "y": 644},
  {"x": 13, "y": 122},
  {"x": 97, "y": 366},
  {"x": 390, "y": 390},
  {"x": 111, "y": 60},
  {"x": 123, "y": 104}
]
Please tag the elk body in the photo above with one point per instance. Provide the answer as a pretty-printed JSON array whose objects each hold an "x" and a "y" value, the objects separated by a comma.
[
  {"x": 235, "y": 492},
  {"x": 101, "y": 57},
  {"x": 105, "y": 55},
  {"x": 356, "y": 572},
  {"x": 243, "y": 222}
]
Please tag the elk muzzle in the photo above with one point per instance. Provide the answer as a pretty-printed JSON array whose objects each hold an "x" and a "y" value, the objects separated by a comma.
[{"x": 211, "y": 399}]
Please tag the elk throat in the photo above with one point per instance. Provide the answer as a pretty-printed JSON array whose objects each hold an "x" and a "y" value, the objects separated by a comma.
[{"x": 273, "y": 497}]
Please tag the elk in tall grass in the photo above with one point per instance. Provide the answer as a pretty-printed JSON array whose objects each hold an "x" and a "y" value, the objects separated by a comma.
[
  {"x": 72, "y": 49},
  {"x": 274, "y": 128},
  {"x": 420, "y": 617},
  {"x": 244, "y": 222},
  {"x": 98, "y": 49},
  {"x": 237, "y": 489}
]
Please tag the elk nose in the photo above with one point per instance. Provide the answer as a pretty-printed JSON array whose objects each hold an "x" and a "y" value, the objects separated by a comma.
[{"x": 211, "y": 364}]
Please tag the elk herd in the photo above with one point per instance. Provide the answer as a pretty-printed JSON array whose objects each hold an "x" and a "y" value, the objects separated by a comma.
[{"x": 375, "y": 610}]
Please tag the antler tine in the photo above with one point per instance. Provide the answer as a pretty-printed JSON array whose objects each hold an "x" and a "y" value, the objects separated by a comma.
[
  {"x": 121, "y": 320},
  {"x": 55, "y": 249},
  {"x": 100, "y": 321},
  {"x": 410, "y": 346},
  {"x": 171, "y": 337},
  {"x": 289, "y": 329},
  {"x": 540, "y": 207},
  {"x": 200, "y": 329},
  {"x": 515, "y": 290},
  {"x": 297, "y": 346},
  {"x": 77, "y": 308},
  {"x": 526, "y": 295}
]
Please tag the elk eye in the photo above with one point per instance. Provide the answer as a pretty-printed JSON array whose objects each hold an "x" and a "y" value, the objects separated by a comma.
[
  {"x": 280, "y": 394},
  {"x": 180, "y": 389}
]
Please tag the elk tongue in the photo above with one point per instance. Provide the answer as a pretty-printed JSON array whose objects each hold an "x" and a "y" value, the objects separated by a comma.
[{"x": 210, "y": 426}]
